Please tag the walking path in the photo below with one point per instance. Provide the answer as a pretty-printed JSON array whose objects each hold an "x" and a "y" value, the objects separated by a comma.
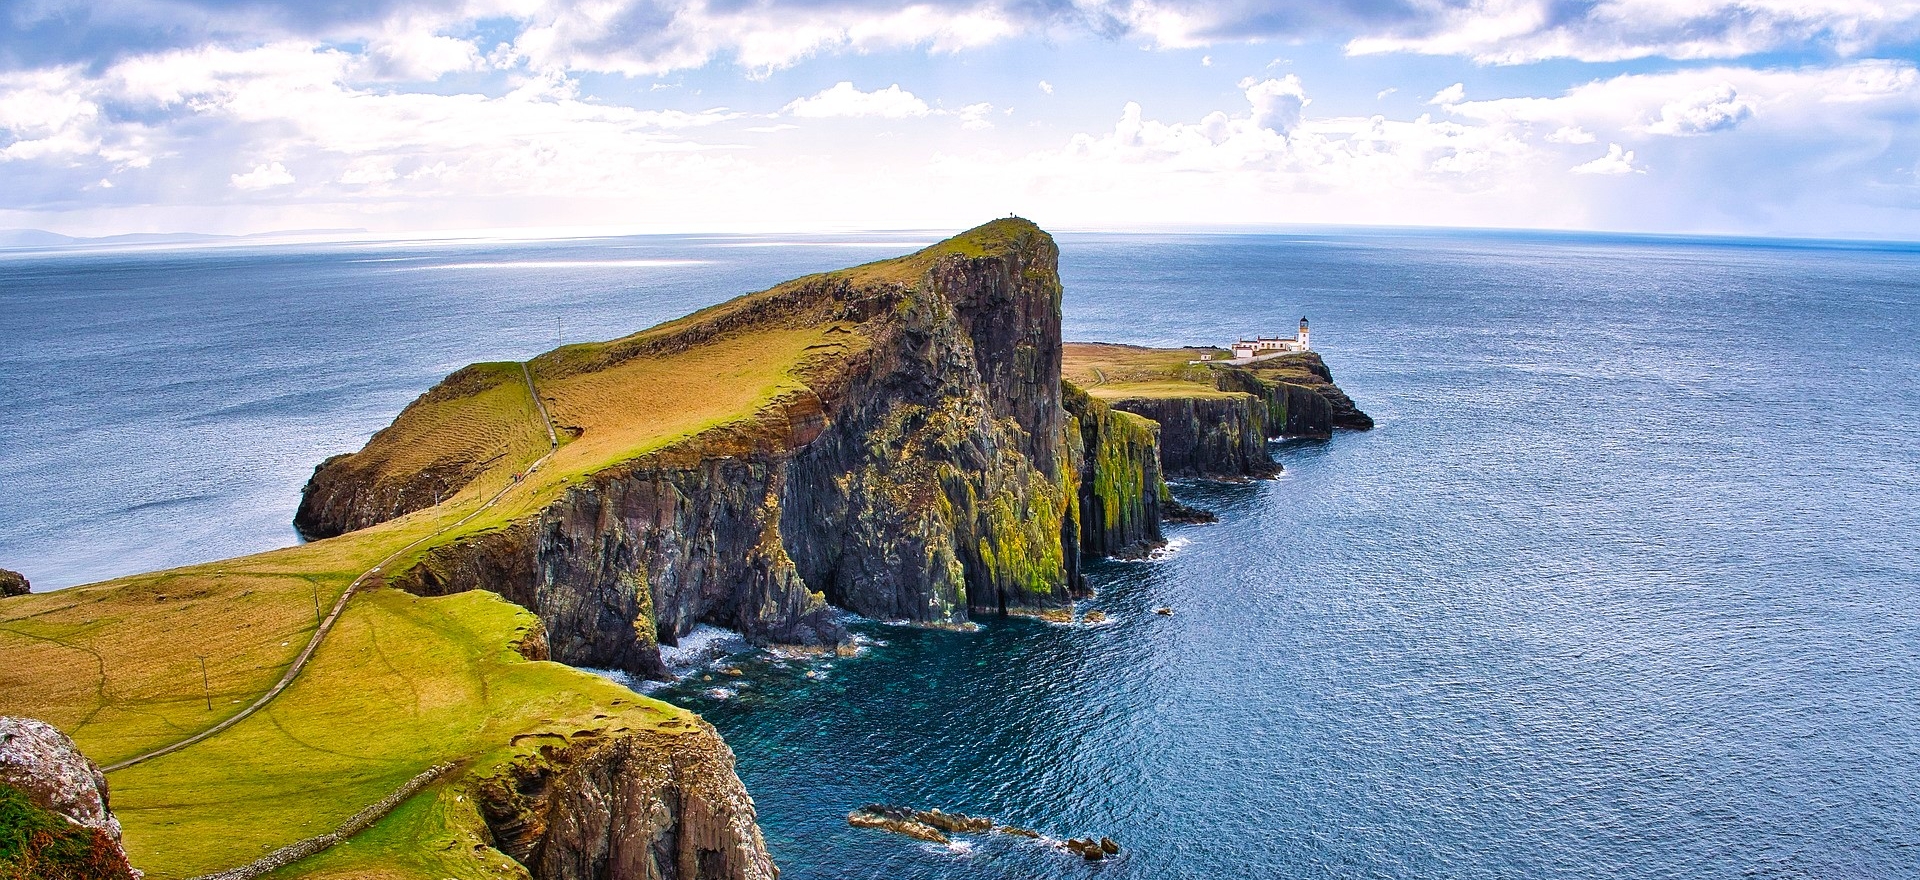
[{"x": 340, "y": 606}]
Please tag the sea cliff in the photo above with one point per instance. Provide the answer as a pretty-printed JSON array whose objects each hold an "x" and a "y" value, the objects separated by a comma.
[
  {"x": 1215, "y": 419},
  {"x": 916, "y": 463}
]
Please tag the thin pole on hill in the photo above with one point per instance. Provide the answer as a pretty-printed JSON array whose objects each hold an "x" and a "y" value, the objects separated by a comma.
[
  {"x": 206, "y": 684},
  {"x": 316, "y": 601}
]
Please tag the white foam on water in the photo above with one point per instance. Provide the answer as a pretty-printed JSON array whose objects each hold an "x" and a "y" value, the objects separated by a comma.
[
  {"x": 704, "y": 644},
  {"x": 1164, "y": 553}
]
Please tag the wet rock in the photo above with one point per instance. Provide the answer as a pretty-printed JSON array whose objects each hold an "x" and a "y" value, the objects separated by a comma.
[
  {"x": 13, "y": 583},
  {"x": 1163, "y": 611},
  {"x": 898, "y": 820},
  {"x": 1016, "y": 831},
  {"x": 1171, "y": 510},
  {"x": 1087, "y": 848},
  {"x": 58, "y": 805},
  {"x": 1109, "y": 847},
  {"x": 1094, "y": 618}
]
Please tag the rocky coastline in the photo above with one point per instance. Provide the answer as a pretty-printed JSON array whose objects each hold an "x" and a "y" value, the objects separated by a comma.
[{"x": 934, "y": 466}]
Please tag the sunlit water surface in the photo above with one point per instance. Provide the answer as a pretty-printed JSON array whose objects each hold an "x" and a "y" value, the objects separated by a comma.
[{"x": 1625, "y": 583}]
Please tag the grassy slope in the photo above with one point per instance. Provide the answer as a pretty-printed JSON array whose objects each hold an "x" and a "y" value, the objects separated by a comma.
[
  {"x": 1115, "y": 372},
  {"x": 403, "y": 683}
]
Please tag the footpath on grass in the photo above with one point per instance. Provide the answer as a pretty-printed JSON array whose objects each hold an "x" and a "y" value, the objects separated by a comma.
[{"x": 340, "y": 606}]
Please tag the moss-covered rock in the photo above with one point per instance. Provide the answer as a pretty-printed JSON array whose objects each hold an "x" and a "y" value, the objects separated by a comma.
[{"x": 55, "y": 819}]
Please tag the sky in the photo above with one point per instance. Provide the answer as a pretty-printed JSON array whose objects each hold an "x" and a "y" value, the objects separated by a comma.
[{"x": 1742, "y": 117}]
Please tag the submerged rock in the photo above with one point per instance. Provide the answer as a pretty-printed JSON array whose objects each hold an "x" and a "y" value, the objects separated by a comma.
[
  {"x": 13, "y": 583},
  {"x": 60, "y": 823},
  {"x": 934, "y": 826}
]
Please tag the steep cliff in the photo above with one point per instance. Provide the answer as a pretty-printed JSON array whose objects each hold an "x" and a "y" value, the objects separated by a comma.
[
  {"x": 1215, "y": 418},
  {"x": 1211, "y": 435},
  {"x": 55, "y": 819},
  {"x": 1298, "y": 389},
  {"x": 901, "y": 456},
  {"x": 1120, "y": 484},
  {"x": 657, "y": 805}
]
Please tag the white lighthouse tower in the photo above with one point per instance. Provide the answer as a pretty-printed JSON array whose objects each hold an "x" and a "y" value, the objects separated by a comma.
[{"x": 1303, "y": 336}]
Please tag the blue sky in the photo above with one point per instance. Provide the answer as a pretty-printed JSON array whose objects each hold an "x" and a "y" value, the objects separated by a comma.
[{"x": 1755, "y": 117}]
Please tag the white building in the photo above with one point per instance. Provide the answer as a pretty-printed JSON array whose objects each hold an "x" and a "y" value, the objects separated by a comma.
[{"x": 1267, "y": 346}]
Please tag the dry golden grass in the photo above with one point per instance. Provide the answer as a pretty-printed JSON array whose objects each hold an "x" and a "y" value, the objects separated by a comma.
[
  {"x": 1115, "y": 372},
  {"x": 639, "y": 405}
]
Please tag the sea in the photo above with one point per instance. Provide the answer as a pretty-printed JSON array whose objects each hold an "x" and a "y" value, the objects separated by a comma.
[{"x": 1625, "y": 583}]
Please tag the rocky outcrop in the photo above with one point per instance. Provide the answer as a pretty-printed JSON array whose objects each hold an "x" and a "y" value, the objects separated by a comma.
[
  {"x": 1120, "y": 487},
  {"x": 1300, "y": 397},
  {"x": 657, "y": 804},
  {"x": 1208, "y": 435},
  {"x": 55, "y": 819},
  {"x": 13, "y": 583}
]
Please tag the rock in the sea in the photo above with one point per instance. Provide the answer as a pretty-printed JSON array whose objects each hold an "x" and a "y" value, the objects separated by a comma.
[
  {"x": 55, "y": 819},
  {"x": 13, "y": 583},
  {"x": 1094, "y": 618},
  {"x": 899, "y": 820},
  {"x": 1163, "y": 611}
]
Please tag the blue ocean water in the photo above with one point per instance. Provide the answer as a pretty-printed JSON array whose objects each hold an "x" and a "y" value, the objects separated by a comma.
[{"x": 1624, "y": 584}]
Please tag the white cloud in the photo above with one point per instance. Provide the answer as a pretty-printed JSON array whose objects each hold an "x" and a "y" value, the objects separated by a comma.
[
  {"x": 263, "y": 177},
  {"x": 1452, "y": 94},
  {"x": 1616, "y": 161},
  {"x": 1046, "y": 87},
  {"x": 1570, "y": 134},
  {"x": 974, "y": 116},
  {"x": 652, "y": 37},
  {"x": 420, "y": 55},
  {"x": 1383, "y": 93},
  {"x": 1522, "y": 31},
  {"x": 1714, "y": 109},
  {"x": 843, "y": 100},
  {"x": 1277, "y": 103}
]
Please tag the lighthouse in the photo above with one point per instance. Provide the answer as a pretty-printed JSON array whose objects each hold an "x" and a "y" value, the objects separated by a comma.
[{"x": 1303, "y": 336}]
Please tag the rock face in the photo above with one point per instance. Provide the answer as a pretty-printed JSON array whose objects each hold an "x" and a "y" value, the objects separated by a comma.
[
  {"x": 1299, "y": 394},
  {"x": 1214, "y": 436},
  {"x": 13, "y": 583},
  {"x": 1121, "y": 488},
  {"x": 55, "y": 819},
  {"x": 655, "y": 805}
]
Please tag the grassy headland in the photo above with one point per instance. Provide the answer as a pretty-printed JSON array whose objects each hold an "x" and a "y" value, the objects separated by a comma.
[{"x": 402, "y": 683}]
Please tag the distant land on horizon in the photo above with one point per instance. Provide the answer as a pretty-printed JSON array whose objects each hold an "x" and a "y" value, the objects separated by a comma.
[{"x": 41, "y": 239}]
